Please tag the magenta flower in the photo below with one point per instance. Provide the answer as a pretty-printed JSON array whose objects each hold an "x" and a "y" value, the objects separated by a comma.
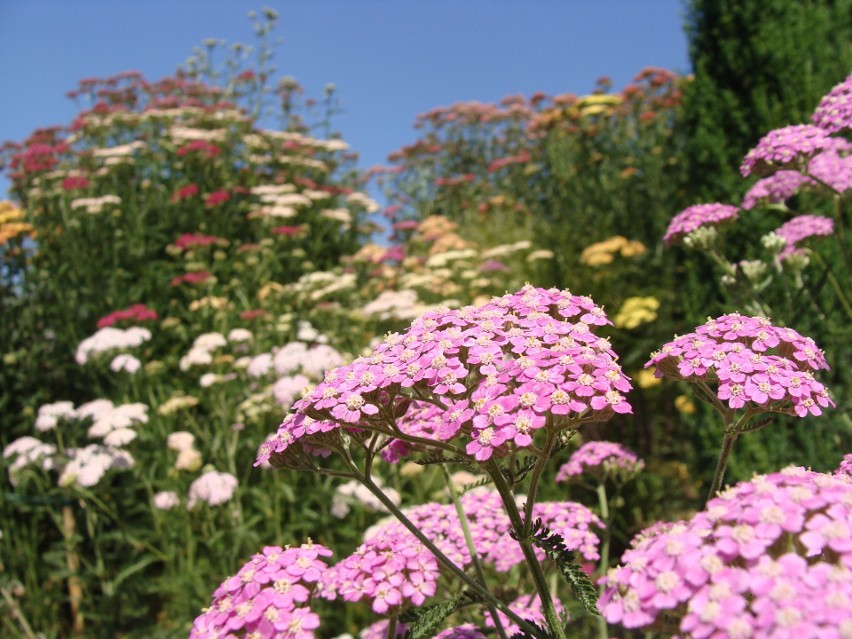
[
  {"x": 766, "y": 558},
  {"x": 265, "y": 599},
  {"x": 697, "y": 216}
]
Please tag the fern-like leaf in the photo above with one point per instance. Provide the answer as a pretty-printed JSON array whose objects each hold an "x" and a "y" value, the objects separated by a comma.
[
  {"x": 424, "y": 621},
  {"x": 554, "y": 548}
]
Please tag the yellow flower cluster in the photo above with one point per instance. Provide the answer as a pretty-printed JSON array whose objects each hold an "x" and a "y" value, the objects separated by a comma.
[
  {"x": 636, "y": 311},
  {"x": 604, "y": 252},
  {"x": 597, "y": 104},
  {"x": 11, "y": 224}
]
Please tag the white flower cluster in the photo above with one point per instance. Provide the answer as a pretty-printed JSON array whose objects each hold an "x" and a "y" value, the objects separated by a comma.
[
  {"x": 111, "y": 338},
  {"x": 353, "y": 492},
  {"x": 213, "y": 488},
  {"x": 88, "y": 465},
  {"x": 201, "y": 353},
  {"x": 95, "y": 204}
]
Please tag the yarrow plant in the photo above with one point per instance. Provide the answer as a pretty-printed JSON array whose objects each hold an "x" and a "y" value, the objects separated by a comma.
[
  {"x": 746, "y": 367},
  {"x": 770, "y": 557},
  {"x": 485, "y": 384}
]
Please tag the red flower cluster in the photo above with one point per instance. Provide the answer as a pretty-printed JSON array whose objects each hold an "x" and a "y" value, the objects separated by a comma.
[
  {"x": 201, "y": 147},
  {"x": 216, "y": 198},
  {"x": 196, "y": 277},
  {"x": 190, "y": 240},
  {"x": 137, "y": 313},
  {"x": 185, "y": 192},
  {"x": 75, "y": 182}
]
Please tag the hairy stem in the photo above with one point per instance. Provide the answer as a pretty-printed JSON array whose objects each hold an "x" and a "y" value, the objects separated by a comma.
[{"x": 722, "y": 464}]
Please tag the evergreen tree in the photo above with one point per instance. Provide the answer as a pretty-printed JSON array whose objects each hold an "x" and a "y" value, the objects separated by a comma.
[{"x": 758, "y": 65}]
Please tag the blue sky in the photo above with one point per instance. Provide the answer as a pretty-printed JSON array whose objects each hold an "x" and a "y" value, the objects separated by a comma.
[{"x": 389, "y": 60}]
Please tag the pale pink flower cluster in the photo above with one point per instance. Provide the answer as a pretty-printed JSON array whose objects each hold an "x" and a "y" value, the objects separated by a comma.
[
  {"x": 213, "y": 488},
  {"x": 801, "y": 228},
  {"x": 391, "y": 569},
  {"x": 490, "y": 528},
  {"x": 845, "y": 467},
  {"x": 527, "y": 607},
  {"x": 287, "y": 389},
  {"x": 125, "y": 362},
  {"x": 111, "y": 338},
  {"x": 28, "y": 451},
  {"x": 506, "y": 371},
  {"x": 789, "y": 147},
  {"x": 166, "y": 500},
  {"x": 465, "y": 631},
  {"x": 698, "y": 216},
  {"x": 754, "y": 363},
  {"x": 602, "y": 460},
  {"x": 771, "y": 557},
  {"x": 49, "y": 415},
  {"x": 834, "y": 112},
  {"x": 269, "y": 598},
  {"x": 355, "y": 492}
]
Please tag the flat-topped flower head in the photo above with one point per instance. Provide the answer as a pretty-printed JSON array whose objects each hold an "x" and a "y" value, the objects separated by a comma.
[
  {"x": 390, "y": 570},
  {"x": 268, "y": 598},
  {"x": 698, "y": 216},
  {"x": 490, "y": 528},
  {"x": 752, "y": 363},
  {"x": 801, "y": 228},
  {"x": 834, "y": 112},
  {"x": 749, "y": 565},
  {"x": 776, "y": 189},
  {"x": 601, "y": 460},
  {"x": 790, "y": 147},
  {"x": 495, "y": 377}
]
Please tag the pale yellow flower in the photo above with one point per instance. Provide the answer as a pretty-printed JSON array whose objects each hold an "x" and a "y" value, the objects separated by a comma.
[
  {"x": 646, "y": 379},
  {"x": 684, "y": 405}
]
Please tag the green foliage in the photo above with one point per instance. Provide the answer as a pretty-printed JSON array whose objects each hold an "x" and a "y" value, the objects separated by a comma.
[
  {"x": 757, "y": 66},
  {"x": 554, "y": 548}
]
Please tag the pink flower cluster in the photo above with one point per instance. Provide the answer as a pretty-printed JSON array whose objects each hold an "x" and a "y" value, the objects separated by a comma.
[
  {"x": 697, "y": 216},
  {"x": 778, "y": 187},
  {"x": 600, "y": 459},
  {"x": 527, "y": 607},
  {"x": 490, "y": 528},
  {"x": 501, "y": 373},
  {"x": 787, "y": 146},
  {"x": 834, "y": 113},
  {"x": 390, "y": 569},
  {"x": 268, "y": 598},
  {"x": 136, "y": 312},
  {"x": 833, "y": 169},
  {"x": 771, "y": 557},
  {"x": 736, "y": 352},
  {"x": 800, "y": 228}
]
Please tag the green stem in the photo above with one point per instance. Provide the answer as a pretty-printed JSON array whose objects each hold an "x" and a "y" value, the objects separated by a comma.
[
  {"x": 508, "y": 498},
  {"x": 727, "y": 447},
  {"x": 486, "y": 595},
  {"x": 603, "y": 630},
  {"x": 468, "y": 538}
]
